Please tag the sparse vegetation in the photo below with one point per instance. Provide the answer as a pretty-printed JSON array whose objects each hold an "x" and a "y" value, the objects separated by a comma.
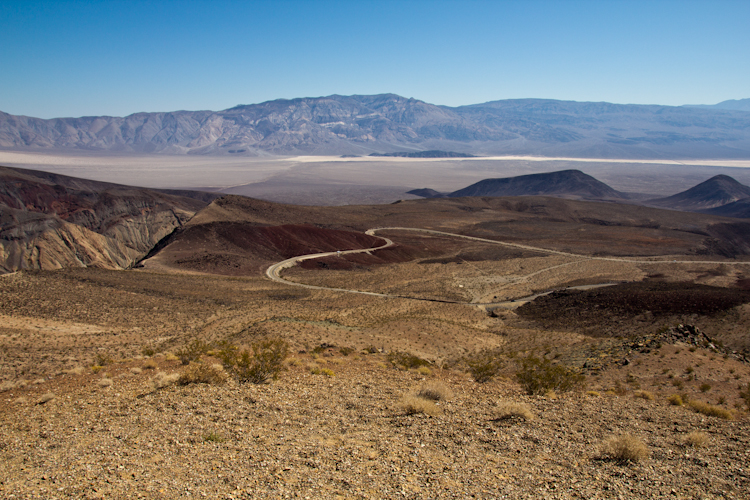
[
  {"x": 507, "y": 410},
  {"x": 213, "y": 437},
  {"x": 193, "y": 351},
  {"x": 104, "y": 382},
  {"x": 435, "y": 390},
  {"x": 483, "y": 367},
  {"x": 406, "y": 360},
  {"x": 538, "y": 376},
  {"x": 203, "y": 373},
  {"x": 644, "y": 395},
  {"x": 626, "y": 448},
  {"x": 745, "y": 395},
  {"x": 710, "y": 410},
  {"x": 264, "y": 360},
  {"x": 161, "y": 380},
  {"x": 705, "y": 387},
  {"x": 675, "y": 400},
  {"x": 696, "y": 439},
  {"x": 413, "y": 405},
  {"x": 150, "y": 364}
]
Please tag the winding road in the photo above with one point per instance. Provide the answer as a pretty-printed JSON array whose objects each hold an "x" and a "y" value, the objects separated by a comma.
[{"x": 273, "y": 272}]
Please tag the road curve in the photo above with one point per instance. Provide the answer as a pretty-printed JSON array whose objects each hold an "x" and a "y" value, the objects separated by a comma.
[{"x": 273, "y": 272}]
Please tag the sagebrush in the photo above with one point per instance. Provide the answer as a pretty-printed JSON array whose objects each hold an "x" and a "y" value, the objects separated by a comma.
[
  {"x": 262, "y": 362},
  {"x": 539, "y": 376}
]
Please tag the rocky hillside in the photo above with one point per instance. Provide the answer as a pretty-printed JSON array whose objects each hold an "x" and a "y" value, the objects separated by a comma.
[
  {"x": 389, "y": 123},
  {"x": 49, "y": 221}
]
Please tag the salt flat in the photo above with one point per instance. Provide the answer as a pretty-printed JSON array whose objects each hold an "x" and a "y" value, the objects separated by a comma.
[{"x": 316, "y": 180}]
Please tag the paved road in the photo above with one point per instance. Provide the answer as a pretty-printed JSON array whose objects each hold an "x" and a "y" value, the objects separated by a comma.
[{"x": 273, "y": 272}]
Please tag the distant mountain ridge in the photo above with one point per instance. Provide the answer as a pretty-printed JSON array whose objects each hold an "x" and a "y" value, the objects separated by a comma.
[
  {"x": 388, "y": 123},
  {"x": 731, "y": 104}
]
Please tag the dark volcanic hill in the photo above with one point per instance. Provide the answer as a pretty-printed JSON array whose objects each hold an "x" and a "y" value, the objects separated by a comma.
[
  {"x": 49, "y": 221},
  {"x": 565, "y": 184},
  {"x": 739, "y": 209},
  {"x": 717, "y": 191},
  {"x": 388, "y": 123}
]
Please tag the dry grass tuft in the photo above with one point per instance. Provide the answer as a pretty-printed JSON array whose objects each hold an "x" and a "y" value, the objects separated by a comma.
[
  {"x": 626, "y": 448},
  {"x": 675, "y": 400},
  {"x": 150, "y": 364},
  {"x": 513, "y": 411},
  {"x": 413, "y": 405},
  {"x": 162, "y": 380},
  {"x": 8, "y": 385},
  {"x": 435, "y": 390},
  {"x": 45, "y": 398},
  {"x": 78, "y": 370},
  {"x": 710, "y": 410},
  {"x": 136, "y": 370},
  {"x": 423, "y": 370},
  {"x": 593, "y": 394},
  {"x": 696, "y": 439},
  {"x": 203, "y": 373},
  {"x": 644, "y": 395},
  {"x": 104, "y": 382}
]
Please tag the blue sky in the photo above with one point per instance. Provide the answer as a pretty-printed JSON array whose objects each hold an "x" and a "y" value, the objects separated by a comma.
[{"x": 115, "y": 58}]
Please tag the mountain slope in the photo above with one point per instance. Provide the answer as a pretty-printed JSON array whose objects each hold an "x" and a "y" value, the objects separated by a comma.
[
  {"x": 739, "y": 209},
  {"x": 49, "y": 221},
  {"x": 565, "y": 183},
  {"x": 389, "y": 123},
  {"x": 715, "y": 192}
]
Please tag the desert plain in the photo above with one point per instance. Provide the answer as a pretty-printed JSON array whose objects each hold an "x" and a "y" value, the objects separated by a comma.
[{"x": 113, "y": 384}]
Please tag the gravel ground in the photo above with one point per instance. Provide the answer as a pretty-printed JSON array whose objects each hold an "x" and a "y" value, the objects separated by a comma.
[{"x": 347, "y": 436}]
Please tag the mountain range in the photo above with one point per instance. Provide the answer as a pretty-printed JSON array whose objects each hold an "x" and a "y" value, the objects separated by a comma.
[{"x": 388, "y": 123}]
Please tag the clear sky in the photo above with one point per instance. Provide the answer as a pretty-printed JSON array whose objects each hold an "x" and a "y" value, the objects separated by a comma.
[{"x": 79, "y": 58}]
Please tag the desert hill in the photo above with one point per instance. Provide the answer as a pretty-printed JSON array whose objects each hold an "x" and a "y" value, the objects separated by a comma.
[
  {"x": 739, "y": 209},
  {"x": 566, "y": 184},
  {"x": 51, "y": 220},
  {"x": 388, "y": 123},
  {"x": 234, "y": 234},
  {"x": 715, "y": 192}
]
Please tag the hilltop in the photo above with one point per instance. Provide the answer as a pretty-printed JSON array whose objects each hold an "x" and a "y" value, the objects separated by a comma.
[{"x": 715, "y": 192}]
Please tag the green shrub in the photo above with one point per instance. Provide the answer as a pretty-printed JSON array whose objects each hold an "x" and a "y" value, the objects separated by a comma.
[
  {"x": 483, "y": 367},
  {"x": 193, "y": 351},
  {"x": 264, "y": 360},
  {"x": 539, "y": 376},
  {"x": 406, "y": 360}
]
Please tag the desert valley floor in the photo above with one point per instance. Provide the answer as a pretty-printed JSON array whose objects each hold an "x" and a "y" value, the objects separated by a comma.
[{"x": 96, "y": 401}]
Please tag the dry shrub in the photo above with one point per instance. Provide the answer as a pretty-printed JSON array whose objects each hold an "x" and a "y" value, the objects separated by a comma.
[
  {"x": 540, "y": 376},
  {"x": 745, "y": 395},
  {"x": 413, "y": 405},
  {"x": 193, "y": 351},
  {"x": 435, "y": 391},
  {"x": 203, "y": 373},
  {"x": 644, "y": 395},
  {"x": 593, "y": 394},
  {"x": 696, "y": 439},
  {"x": 264, "y": 360},
  {"x": 136, "y": 370},
  {"x": 423, "y": 370},
  {"x": 8, "y": 385},
  {"x": 406, "y": 360},
  {"x": 626, "y": 448},
  {"x": 78, "y": 370},
  {"x": 512, "y": 411},
  {"x": 170, "y": 357},
  {"x": 675, "y": 400},
  {"x": 96, "y": 368},
  {"x": 104, "y": 382},
  {"x": 710, "y": 410},
  {"x": 327, "y": 372},
  {"x": 45, "y": 398},
  {"x": 162, "y": 380},
  {"x": 150, "y": 364},
  {"x": 483, "y": 366}
]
